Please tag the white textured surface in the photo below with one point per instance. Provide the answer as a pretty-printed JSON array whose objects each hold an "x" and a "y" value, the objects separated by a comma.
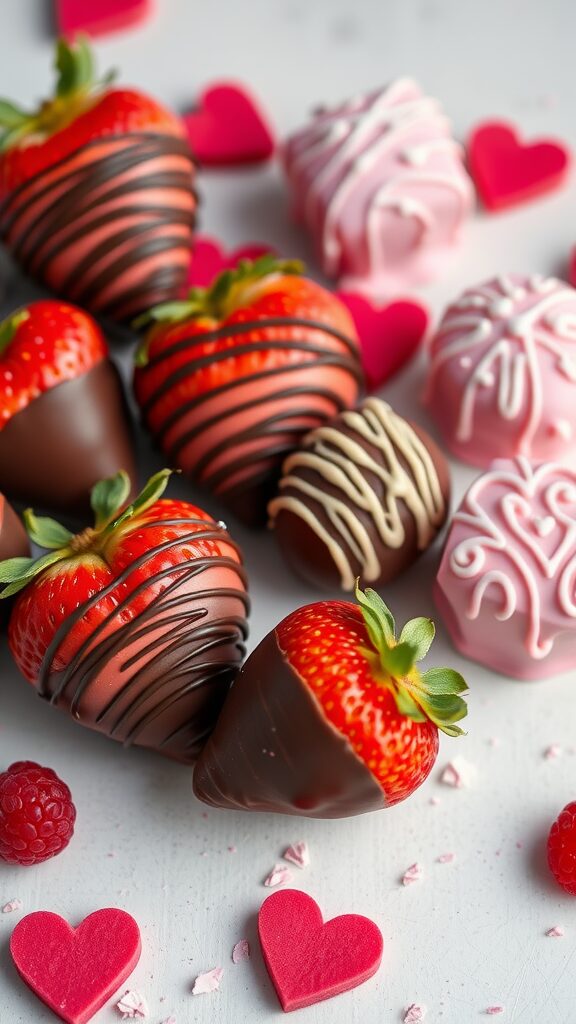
[{"x": 472, "y": 933}]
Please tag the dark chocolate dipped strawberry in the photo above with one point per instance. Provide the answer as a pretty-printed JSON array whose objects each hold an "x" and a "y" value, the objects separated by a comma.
[
  {"x": 229, "y": 380},
  {"x": 330, "y": 716},
  {"x": 136, "y": 626},
  {"x": 63, "y": 422},
  {"x": 96, "y": 197}
]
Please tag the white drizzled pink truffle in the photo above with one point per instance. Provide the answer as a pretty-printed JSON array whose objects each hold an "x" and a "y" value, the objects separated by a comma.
[
  {"x": 380, "y": 183},
  {"x": 502, "y": 378},
  {"x": 507, "y": 581}
]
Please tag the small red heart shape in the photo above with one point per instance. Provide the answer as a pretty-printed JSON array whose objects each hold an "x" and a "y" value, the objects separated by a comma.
[
  {"x": 209, "y": 259},
  {"x": 507, "y": 171},
  {"x": 98, "y": 17},
  {"x": 309, "y": 960},
  {"x": 75, "y": 970},
  {"x": 389, "y": 335},
  {"x": 228, "y": 127}
]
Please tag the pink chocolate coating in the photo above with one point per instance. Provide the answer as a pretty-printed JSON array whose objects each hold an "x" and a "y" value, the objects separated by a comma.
[
  {"x": 502, "y": 379},
  {"x": 506, "y": 583},
  {"x": 380, "y": 183}
]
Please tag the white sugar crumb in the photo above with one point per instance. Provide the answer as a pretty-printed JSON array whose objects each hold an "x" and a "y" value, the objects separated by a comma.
[
  {"x": 414, "y": 873},
  {"x": 491, "y": 1011},
  {"x": 298, "y": 854},
  {"x": 208, "y": 982},
  {"x": 446, "y": 858},
  {"x": 11, "y": 906},
  {"x": 435, "y": 801},
  {"x": 458, "y": 773},
  {"x": 414, "y": 1014},
  {"x": 553, "y": 752},
  {"x": 241, "y": 951},
  {"x": 279, "y": 875},
  {"x": 132, "y": 1006},
  {"x": 557, "y": 932},
  {"x": 169, "y": 1020}
]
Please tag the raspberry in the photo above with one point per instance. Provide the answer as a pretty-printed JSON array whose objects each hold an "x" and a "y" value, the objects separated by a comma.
[
  {"x": 562, "y": 849},
  {"x": 36, "y": 814}
]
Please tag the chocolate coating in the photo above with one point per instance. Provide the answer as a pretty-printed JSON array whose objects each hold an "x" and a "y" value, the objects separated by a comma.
[
  {"x": 110, "y": 225},
  {"x": 365, "y": 496},
  {"x": 273, "y": 749},
  {"x": 13, "y": 539},
  {"x": 158, "y": 679},
  {"x": 53, "y": 451}
]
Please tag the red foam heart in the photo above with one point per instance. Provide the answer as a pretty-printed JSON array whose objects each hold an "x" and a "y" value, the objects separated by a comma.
[
  {"x": 75, "y": 970},
  {"x": 389, "y": 335},
  {"x": 507, "y": 171},
  {"x": 209, "y": 259},
  {"x": 308, "y": 960},
  {"x": 228, "y": 127},
  {"x": 98, "y": 17}
]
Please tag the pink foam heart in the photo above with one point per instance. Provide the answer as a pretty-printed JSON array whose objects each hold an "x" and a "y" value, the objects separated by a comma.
[
  {"x": 99, "y": 17},
  {"x": 389, "y": 335},
  {"x": 308, "y": 960},
  {"x": 228, "y": 127},
  {"x": 209, "y": 259},
  {"x": 75, "y": 970},
  {"x": 507, "y": 171}
]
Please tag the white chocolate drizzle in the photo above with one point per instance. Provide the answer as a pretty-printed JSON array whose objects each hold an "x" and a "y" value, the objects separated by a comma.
[{"x": 383, "y": 448}]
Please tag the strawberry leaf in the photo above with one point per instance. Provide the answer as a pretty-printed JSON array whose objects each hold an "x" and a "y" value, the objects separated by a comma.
[
  {"x": 153, "y": 490},
  {"x": 399, "y": 660},
  {"x": 407, "y": 705},
  {"x": 108, "y": 496},
  {"x": 419, "y": 633},
  {"x": 13, "y": 568},
  {"x": 22, "y": 578},
  {"x": 377, "y": 617},
  {"x": 45, "y": 532},
  {"x": 10, "y": 325},
  {"x": 443, "y": 680},
  {"x": 12, "y": 116}
]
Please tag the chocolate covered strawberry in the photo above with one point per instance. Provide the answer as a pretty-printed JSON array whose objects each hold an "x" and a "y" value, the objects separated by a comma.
[
  {"x": 96, "y": 197},
  {"x": 13, "y": 540},
  {"x": 63, "y": 423},
  {"x": 229, "y": 380},
  {"x": 331, "y": 715},
  {"x": 136, "y": 626}
]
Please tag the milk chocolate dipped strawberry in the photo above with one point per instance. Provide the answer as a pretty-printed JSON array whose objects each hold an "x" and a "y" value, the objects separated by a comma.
[
  {"x": 96, "y": 197},
  {"x": 63, "y": 423},
  {"x": 229, "y": 380},
  {"x": 331, "y": 716},
  {"x": 136, "y": 626}
]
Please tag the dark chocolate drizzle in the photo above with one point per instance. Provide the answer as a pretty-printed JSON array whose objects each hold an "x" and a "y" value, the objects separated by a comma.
[
  {"x": 185, "y": 675},
  {"x": 299, "y": 408},
  {"x": 71, "y": 213}
]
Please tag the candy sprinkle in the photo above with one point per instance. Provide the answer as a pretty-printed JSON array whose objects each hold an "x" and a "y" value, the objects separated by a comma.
[{"x": 208, "y": 982}]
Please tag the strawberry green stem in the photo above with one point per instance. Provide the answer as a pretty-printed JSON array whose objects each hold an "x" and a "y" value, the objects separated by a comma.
[
  {"x": 227, "y": 292},
  {"x": 434, "y": 695},
  {"x": 108, "y": 499},
  {"x": 75, "y": 83}
]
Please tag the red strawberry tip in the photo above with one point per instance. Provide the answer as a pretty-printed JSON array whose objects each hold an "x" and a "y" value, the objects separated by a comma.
[
  {"x": 219, "y": 299},
  {"x": 108, "y": 499},
  {"x": 434, "y": 695},
  {"x": 76, "y": 82}
]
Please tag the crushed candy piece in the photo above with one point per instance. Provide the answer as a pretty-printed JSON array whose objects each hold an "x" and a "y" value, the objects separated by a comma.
[
  {"x": 446, "y": 858},
  {"x": 169, "y": 1020},
  {"x": 553, "y": 752},
  {"x": 414, "y": 1014},
  {"x": 298, "y": 854},
  {"x": 557, "y": 932},
  {"x": 208, "y": 982},
  {"x": 132, "y": 1006},
  {"x": 241, "y": 951},
  {"x": 458, "y": 773},
  {"x": 279, "y": 875},
  {"x": 413, "y": 874},
  {"x": 12, "y": 905},
  {"x": 493, "y": 1010},
  {"x": 435, "y": 801}
]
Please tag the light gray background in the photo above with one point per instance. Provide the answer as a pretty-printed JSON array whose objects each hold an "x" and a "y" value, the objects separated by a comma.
[{"x": 471, "y": 933}]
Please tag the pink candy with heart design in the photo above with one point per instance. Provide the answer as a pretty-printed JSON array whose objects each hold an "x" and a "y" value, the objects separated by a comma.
[
  {"x": 506, "y": 583},
  {"x": 309, "y": 960},
  {"x": 75, "y": 970},
  {"x": 507, "y": 171}
]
